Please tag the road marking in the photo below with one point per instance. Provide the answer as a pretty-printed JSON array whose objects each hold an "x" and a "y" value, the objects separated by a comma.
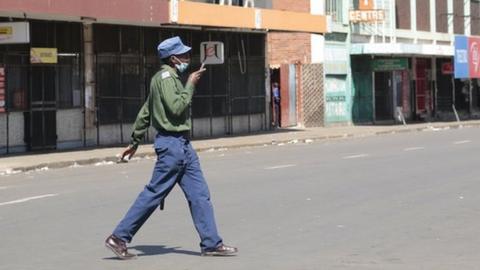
[
  {"x": 3, "y": 188},
  {"x": 28, "y": 199},
  {"x": 414, "y": 148},
  {"x": 280, "y": 166},
  {"x": 462, "y": 142},
  {"x": 356, "y": 156}
]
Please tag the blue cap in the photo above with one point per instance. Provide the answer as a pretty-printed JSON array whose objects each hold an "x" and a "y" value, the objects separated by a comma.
[{"x": 172, "y": 46}]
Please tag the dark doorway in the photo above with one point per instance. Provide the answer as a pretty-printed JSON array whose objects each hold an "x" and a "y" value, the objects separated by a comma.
[
  {"x": 383, "y": 96},
  {"x": 275, "y": 102},
  {"x": 41, "y": 123}
]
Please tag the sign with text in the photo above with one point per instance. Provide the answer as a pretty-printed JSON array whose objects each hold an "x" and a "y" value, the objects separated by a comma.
[
  {"x": 43, "y": 56},
  {"x": 14, "y": 32},
  {"x": 211, "y": 53},
  {"x": 447, "y": 68},
  {"x": 2, "y": 89},
  {"x": 474, "y": 57},
  {"x": 390, "y": 64},
  {"x": 461, "y": 66},
  {"x": 367, "y": 16}
]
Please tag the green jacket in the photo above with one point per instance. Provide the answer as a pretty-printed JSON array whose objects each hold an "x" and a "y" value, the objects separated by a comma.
[{"x": 167, "y": 105}]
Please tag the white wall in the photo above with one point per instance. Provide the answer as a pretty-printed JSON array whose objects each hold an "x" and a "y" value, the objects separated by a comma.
[
  {"x": 317, "y": 7},
  {"x": 69, "y": 128},
  {"x": 318, "y": 48},
  {"x": 3, "y": 133},
  {"x": 109, "y": 134}
]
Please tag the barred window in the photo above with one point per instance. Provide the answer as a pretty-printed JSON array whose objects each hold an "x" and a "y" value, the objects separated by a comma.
[{"x": 334, "y": 8}]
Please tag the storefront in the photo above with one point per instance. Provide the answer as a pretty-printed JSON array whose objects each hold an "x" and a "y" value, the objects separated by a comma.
[
  {"x": 382, "y": 89},
  {"x": 391, "y": 89},
  {"x": 43, "y": 97},
  {"x": 81, "y": 72}
]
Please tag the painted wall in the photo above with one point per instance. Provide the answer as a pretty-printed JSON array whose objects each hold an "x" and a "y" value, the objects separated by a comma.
[{"x": 69, "y": 128}]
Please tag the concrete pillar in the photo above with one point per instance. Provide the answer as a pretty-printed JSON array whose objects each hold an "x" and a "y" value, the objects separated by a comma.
[
  {"x": 450, "y": 17},
  {"x": 413, "y": 15},
  {"x": 89, "y": 74},
  {"x": 433, "y": 17}
]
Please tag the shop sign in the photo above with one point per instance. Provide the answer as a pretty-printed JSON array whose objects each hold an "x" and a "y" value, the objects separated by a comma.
[
  {"x": 2, "y": 89},
  {"x": 447, "y": 68},
  {"x": 367, "y": 16},
  {"x": 43, "y": 56},
  {"x": 474, "y": 56},
  {"x": 14, "y": 32},
  {"x": 461, "y": 57},
  {"x": 211, "y": 52},
  {"x": 390, "y": 64},
  {"x": 336, "y": 105}
]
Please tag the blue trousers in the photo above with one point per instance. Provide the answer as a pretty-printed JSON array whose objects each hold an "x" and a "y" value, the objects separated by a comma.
[{"x": 177, "y": 162}]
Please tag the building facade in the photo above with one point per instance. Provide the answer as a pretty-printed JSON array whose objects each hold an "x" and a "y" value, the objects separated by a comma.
[
  {"x": 402, "y": 60},
  {"x": 104, "y": 54}
]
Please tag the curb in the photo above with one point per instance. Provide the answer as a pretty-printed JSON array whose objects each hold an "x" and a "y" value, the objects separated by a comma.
[{"x": 145, "y": 154}]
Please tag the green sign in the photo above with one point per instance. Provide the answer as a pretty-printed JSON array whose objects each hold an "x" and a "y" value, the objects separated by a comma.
[{"x": 390, "y": 64}]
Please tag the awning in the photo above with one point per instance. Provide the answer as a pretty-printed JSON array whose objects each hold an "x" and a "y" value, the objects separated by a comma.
[
  {"x": 400, "y": 49},
  {"x": 165, "y": 12},
  {"x": 201, "y": 14}
]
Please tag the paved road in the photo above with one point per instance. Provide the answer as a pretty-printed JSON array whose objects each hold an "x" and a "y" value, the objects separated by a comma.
[{"x": 405, "y": 201}]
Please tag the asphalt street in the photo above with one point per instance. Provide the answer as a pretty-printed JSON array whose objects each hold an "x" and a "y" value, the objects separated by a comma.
[{"x": 403, "y": 201}]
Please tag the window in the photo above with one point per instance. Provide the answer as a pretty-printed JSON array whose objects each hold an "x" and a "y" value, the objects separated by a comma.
[
  {"x": 459, "y": 19},
  {"x": 334, "y": 8},
  {"x": 475, "y": 17},
  {"x": 423, "y": 15},
  {"x": 17, "y": 81},
  {"x": 441, "y": 10},
  {"x": 402, "y": 14},
  {"x": 120, "y": 70},
  {"x": 69, "y": 82}
]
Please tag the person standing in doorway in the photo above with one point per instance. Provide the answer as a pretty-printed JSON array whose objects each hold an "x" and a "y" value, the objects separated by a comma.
[
  {"x": 167, "y": 110},
  {"x": 276, "y": 104}
]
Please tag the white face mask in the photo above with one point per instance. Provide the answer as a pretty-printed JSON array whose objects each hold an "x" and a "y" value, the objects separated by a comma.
[{"x": 182, "y": 66}]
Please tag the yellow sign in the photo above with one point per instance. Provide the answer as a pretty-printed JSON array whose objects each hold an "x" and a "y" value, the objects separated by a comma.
[
  {"x": 43, "y": 55},
  {"x": 6, "y": 31}
]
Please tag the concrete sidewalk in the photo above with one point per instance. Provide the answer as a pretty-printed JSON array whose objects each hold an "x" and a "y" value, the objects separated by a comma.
[{"x": 27, "y": 162}]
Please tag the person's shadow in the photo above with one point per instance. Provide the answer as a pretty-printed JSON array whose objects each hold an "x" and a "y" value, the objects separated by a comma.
[{"x": 150, "y": 250}]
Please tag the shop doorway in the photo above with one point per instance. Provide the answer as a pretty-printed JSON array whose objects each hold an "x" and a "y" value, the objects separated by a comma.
[
  {"x": 40, "y": 120},
  {"x": 392, "y": 96},
  {"x": 383, "y": 96}
]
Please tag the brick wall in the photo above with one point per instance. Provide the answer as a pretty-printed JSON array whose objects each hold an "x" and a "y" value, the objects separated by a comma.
[{"x": 288, "y": 47}]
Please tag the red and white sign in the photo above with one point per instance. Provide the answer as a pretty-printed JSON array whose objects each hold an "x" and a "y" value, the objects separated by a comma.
[
  {"x": 2, "y": 89},
  {"x": 474, "y": 56},
  {"x": 211, "y": 53},
  {"x": 447, "y": 68}
]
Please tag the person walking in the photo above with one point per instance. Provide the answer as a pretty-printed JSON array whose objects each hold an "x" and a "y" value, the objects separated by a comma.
[{"x": 167, "y": 110}]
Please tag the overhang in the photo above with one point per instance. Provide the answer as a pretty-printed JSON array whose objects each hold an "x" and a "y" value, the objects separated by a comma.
[
  {"x": 401, "y": 49},
  {"x": 164, "y": 12}
]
